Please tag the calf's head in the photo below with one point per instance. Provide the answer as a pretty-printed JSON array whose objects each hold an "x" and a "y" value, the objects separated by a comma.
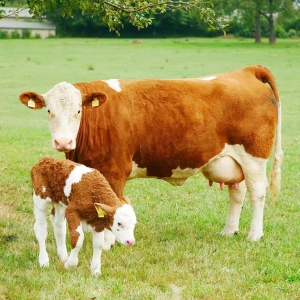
[
  {"x": 124, "y": 221},
  {"x": 64, "y": 105}
]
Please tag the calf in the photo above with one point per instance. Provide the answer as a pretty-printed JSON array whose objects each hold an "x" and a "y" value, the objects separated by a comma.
[{"x": 83, "y": 197}]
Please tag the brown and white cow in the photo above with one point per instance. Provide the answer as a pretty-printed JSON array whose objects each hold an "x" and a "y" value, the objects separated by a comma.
[
  {"x": 222, "y": 125},
  {"x": 84, "y": 198}
]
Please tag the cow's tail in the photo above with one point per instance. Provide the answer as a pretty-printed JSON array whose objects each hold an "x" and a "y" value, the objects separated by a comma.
[
  {"x": 266, "y": 76},
  {"x": 275, "y": 178}
]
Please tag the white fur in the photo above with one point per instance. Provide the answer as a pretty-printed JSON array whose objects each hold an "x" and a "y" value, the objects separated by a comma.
[
  {"x": 137, "y": 172},
  {"x": 40, "y": 227},
  {"x": 123, "y": 225},
  {"x": 74, "y": 177},
  {"x": 208, "y": 78},
  {"x": 64, "y": 102},
  {"x": 114, "y": 84},
  {"x": 58, "y": 222}
]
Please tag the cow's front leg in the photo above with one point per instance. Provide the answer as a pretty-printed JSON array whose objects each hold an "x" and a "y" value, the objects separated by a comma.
[
  {"x": 236, "y": 199},
  {"x": 98, "y": 242}
]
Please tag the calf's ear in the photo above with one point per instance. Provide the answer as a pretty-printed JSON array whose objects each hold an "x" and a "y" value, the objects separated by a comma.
[
  {"x": 32, "y": 100},
  {"x": 105, "y": 208},
  {"x": 93, "y": 99}
]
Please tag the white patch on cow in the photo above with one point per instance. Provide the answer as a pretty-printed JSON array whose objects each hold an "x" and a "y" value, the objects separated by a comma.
[
  {"x": 137, "y": 172},
  {"x": 123, "y": 225},
  {"x": 64, "y": 105},
  {"x": 184, "y": 173},
  {"x": 254, "y": 169},
  {"x": 74, "y": 177},
  {"x": 43, "y": 189},
  {"x": 208, "y": 78},
  {"x": 114, "y": 84}
]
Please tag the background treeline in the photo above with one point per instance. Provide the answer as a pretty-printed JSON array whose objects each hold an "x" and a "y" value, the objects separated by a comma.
[{"x": 244, "y": 18}]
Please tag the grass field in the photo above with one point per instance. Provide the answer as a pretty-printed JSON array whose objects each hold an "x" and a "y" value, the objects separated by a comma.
[{"x": 177, "y": 237}]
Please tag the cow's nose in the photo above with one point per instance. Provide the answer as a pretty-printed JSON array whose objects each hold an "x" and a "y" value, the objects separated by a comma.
[
  {"x": 63, "y": 144},
  {"x": 130, "y": 242}
]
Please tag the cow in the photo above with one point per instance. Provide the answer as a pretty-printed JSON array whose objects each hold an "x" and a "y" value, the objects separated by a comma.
[
  {"x": 82, "y": 197},
  {"x": 223, "y": 125}
]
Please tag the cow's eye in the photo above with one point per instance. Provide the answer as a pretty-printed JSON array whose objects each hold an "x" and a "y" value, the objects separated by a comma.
[
  {"x": 79, "y": 112},
  {"x": 49, "y": 111},
  {"x": 120, "y": 224}
]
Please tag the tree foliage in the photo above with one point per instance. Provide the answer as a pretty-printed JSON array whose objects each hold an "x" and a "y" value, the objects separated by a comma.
[{"x": 137, "y": 12}]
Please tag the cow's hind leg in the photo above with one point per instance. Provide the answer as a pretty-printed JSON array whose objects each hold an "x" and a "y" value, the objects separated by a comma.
[
  {"x": 40, "y": 228},
  {"x": 236, "y": 198},
  {"x": 257, "y": 184},
  {"x": 58, "y": 221}
]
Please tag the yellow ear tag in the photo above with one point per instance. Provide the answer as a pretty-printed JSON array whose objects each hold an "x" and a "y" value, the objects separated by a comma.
[
  {"x": 123, "y": 200},
  {"x": 95, "y": 102},
  {"x": 31, "y": 103},
  {"x": 99, "y": 211}
]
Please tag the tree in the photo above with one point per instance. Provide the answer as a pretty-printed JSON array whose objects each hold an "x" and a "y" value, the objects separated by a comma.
[{"x": 138, "y": 13}]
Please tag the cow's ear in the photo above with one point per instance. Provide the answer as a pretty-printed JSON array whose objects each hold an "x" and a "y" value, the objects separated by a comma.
[
  {"x": 93, "y": 99},
  {"x": 32, "y": 100}
]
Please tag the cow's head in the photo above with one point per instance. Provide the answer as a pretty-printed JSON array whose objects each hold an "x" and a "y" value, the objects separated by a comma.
[
  {"x": 123, "y": 222},
  {"x": 64, "y": 105}
]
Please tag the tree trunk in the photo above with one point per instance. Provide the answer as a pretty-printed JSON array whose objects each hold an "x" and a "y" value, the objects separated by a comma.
[
  {"x": 272, "y": 35},
  {"x": 257, "y": 28}
]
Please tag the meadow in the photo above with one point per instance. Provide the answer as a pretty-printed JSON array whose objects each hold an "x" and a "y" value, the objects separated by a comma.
[{"x": 178, "y": 241}]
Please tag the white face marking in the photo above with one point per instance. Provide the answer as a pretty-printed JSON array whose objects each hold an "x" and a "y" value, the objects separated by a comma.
[
  {"x": 114, "y": 84},
  {"x": 64, "y": 104},
  {"x": 208, "y": 78},
  {"x": 43, "y": 189},
  {"x": 75, "y": 177},
  {"x": 123, "y": 225}
]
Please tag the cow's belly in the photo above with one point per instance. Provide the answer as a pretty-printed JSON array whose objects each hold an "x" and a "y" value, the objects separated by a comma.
[{"x": 222, "y": 168}]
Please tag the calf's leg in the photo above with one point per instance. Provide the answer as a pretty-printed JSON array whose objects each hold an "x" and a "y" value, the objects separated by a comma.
[
  {"x": 76, "y": 237},
  {"x": 40, "y": 228},
  {"x": 98, "y": 242},
  {"x": 58, "y": 221}
]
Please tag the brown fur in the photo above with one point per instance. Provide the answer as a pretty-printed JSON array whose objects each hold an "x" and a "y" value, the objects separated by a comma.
[
  {"x": 163, "y": 124},
  {"x": 93, "y": 188}
]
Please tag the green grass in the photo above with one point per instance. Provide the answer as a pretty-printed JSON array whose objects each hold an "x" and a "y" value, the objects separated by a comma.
[{"x": 177, "y": 237}]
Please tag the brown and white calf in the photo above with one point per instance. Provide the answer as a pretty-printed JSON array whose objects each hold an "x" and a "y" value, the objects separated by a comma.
[
  {"x": 223, "y": 125},
  {"x": 83, "y": 197}
]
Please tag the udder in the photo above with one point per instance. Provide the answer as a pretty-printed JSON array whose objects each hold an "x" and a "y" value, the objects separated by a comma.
[{"x": 225, "y": 171}]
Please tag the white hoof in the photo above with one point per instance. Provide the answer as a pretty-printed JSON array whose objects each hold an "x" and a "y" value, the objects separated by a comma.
[
  {"x": 71, "y": 263},
  {"x": 255, "y": 236},
  {"x": 44, "y": 261}
]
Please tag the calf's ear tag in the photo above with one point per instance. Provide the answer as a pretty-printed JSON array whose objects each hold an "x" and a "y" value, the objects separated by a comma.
[
  {"x": 99, "y": 211},
  {"x": 95, "y": 102},
  {"x": 31, "y": 103}
]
